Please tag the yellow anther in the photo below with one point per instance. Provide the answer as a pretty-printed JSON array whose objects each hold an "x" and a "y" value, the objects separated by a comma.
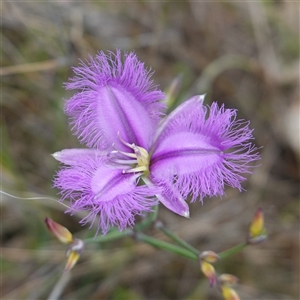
[
  {"x": 139, "y": 161},
  {"x": 142, "y": 157}
]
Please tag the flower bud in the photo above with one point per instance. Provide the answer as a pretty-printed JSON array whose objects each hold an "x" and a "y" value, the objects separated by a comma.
[
  {"x": 229, "y": 293},
  {"x": 73, "y": 254},
  {"x": 72, "y": 260},
  {"x": 257, "y": 231},
  {"x": 228, "y": 279},
  {"x": 60, "y": 232},
  {"x": 209, "y": 271},
  {"x": 209, "y": 256},
  {"x": 77, "y": 246}
]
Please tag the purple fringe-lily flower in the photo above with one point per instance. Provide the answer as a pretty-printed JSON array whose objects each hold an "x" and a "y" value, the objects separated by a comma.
[{"x": 194, "y": 151}]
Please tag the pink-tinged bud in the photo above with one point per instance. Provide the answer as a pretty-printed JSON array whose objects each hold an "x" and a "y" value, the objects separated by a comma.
[
  {"x": 209, "y": 271},
  {"x": 257, "y": 224},
  {"x": 60, "y": 232},
  {"x": 229, "y": 293},
  {"x": 257, "y": 231},
  {"x": 209, "y": 256},
  {"x": 73, "y": 254},
  {"x": 72, "y": 260},
  {"x": 228, "y": 279}
]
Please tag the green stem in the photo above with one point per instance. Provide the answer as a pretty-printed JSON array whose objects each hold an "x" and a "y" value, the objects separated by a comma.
[
  {"x": 166, "y": 246},
  {"x": 115, "y": 234},
  {"x": 234, "y": 250},
  {"x": 177, "y": 239},
  {"x": 111, "y": 236}
]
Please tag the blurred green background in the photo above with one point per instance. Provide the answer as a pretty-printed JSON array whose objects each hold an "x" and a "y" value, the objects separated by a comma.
[{"x": 244, "y": 54}]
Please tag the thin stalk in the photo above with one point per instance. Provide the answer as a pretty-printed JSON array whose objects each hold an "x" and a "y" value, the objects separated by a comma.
[
  {"x": 111, "y": 236},
  {"x": 177, "y": 239},
  {"x": 232, "y": 251},
  {"x": 166, "y": 246}
]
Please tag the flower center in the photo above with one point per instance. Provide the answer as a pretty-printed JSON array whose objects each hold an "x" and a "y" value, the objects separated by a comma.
[{"x": 137, "y": 160}]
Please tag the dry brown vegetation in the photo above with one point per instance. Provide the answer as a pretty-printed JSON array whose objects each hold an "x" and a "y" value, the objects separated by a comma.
[{"x": 244, "y": 54}]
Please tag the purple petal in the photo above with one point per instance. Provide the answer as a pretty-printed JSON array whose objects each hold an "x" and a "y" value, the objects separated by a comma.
[
  {"x": 171, "y": 198},
  {"x": 104, "y": 191},
  {"x": 114, "y": 96},
  {"x": 172, "y": 117},
  {"x": 73, "y": 156},
  {"x": 200, "y": 149}
]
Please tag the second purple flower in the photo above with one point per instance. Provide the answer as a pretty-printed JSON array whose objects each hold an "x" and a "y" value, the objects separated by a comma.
[{"x": 194, "y": 151}]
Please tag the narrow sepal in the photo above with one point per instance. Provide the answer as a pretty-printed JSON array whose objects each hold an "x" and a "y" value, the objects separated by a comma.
[
  {"x": 171, "y": 198},
  {"x": 73, "y": 156}
]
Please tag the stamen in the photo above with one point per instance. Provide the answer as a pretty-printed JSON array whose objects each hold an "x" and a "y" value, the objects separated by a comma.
[
  {"x": 125, "y": 162},
  {"x": 137, "y": 169},
  {"x": 140, "y": 155},
  {"x": 123, "y": 142},
  {"x": 132, "y": 155},
  {"x": 122, "y": 152}
]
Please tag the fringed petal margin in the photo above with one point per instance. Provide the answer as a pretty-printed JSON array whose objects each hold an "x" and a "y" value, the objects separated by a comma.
[
  {"x": 201, "y": 149},
  {"x": 104, "y": 191},
  {"x": 114, "y": 96}
]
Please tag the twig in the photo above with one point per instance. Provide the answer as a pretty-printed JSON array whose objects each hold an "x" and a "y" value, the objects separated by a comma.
[{"x": 59, "y": 286}]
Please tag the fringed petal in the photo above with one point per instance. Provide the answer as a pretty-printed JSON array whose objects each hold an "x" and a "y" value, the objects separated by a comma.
[
  {"x": 200, "y": 149},
  {"x": 104, "y": 191},
  {"x": 114, "y": 96}
]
